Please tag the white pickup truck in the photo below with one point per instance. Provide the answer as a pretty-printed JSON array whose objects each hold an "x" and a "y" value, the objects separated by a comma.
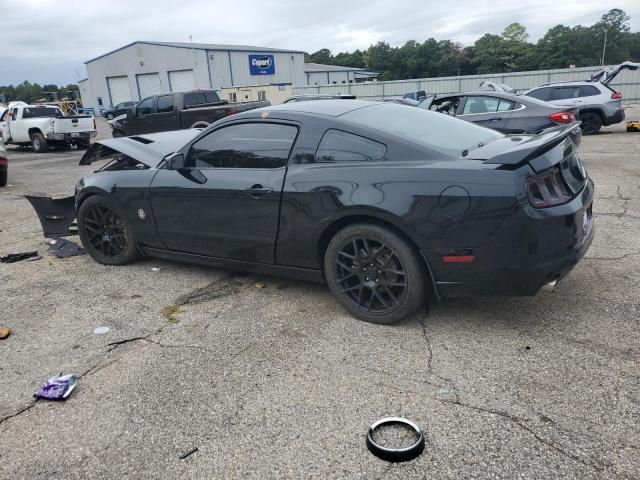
[{"x": 42, "y": 126}]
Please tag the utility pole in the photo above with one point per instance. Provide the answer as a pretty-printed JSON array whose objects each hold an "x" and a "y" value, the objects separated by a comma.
[{"x": 604, "y": 47}]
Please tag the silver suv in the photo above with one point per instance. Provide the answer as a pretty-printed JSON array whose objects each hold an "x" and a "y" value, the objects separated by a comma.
[{"x": 597, "y": 103}]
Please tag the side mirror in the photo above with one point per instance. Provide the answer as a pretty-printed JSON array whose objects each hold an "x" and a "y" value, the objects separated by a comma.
[{"x": 176, "y": 162}]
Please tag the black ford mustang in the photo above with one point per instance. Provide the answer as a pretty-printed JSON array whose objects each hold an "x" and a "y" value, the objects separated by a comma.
[{"x": 384, "y": 202}]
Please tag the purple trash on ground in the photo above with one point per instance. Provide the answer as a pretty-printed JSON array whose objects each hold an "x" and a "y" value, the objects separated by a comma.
[{"x": 58, "y": 387}]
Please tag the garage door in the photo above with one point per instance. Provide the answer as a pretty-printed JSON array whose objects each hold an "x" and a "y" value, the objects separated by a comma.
[
  {"x": 149, "y": 84},
  {"x": 181, "y": 80},
  {"x": 119, "y": 89}
]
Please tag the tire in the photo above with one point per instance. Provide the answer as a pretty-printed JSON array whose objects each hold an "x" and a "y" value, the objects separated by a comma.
[
  {"x": 117, "y": 134},
  {"x": 363, "y": 265},
  {"x": 591, "y": 123},
  {"x": 39, "y": 143},
  {"x": 83, "y": 145},
  {"x": 3, "y": 178},
  {"x": 61, "y": 147},
  {"x": 200, "y": 124},
  {"x": 110, "y": 116},
  {"x": 104, "y": 232}
]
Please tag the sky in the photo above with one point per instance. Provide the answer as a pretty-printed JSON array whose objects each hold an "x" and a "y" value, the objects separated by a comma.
[{"x": 48, "y": 41}]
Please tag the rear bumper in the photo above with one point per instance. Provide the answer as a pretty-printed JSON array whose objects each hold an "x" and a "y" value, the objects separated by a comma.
[
  {"x": 615, "y": 118},
  {"x": 530, "y": 249},
  {"x": 70, "y": 137}
]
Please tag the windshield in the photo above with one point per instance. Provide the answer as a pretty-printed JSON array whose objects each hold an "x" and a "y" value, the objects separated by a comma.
[
  {"x": 33, "y": 112},
  {"x": 440, "y": 132}
]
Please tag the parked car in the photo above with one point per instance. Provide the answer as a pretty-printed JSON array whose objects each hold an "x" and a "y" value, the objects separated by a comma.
[
  {"x": 418, "y": 95},
  {"x": 42, "y": 126},
  {"x": 383, "y": 201},
  {"x": 596, "y": 102},
  {"x": 118, "y": 110},
  {"x": 174, "y": 111},
  {"x": 4, "y": 163},
  {"x": 307, "y": 98},
  {"x": 505, "y": 112}
]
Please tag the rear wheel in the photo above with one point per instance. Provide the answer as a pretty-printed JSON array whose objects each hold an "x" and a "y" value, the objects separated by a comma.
[
  {"x": 39, "y": 143},
  {"x": 109, "y": 116},
  {"x": 83, "y": 145},
  {"x": 591, "y": 123},
  {"x": 376, "y": 275},
  {"x": 105, "y": 234}
]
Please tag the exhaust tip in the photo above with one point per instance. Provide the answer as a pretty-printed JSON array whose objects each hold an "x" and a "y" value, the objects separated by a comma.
[{"x": 550, "y": 286}]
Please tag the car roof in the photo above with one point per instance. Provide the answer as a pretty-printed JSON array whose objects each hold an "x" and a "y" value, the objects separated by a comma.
[
  {"x": 483, "y": 93},
  {"x": 333, "y": 108}
]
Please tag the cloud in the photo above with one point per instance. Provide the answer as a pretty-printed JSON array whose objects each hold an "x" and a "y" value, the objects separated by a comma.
[{"x": 52, "y": 47}]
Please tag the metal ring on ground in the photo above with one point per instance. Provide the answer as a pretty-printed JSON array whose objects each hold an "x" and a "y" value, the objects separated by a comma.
[{"x": 395, "y": 454}]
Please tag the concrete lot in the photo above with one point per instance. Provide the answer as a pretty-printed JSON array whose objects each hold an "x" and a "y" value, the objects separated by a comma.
[{"x": 279, "y": 382}]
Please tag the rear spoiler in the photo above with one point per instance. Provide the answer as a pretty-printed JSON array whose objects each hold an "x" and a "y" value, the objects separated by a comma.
[{"x": 514, "y": 150}]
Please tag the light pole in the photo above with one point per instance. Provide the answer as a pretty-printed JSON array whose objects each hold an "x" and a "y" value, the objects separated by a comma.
[{"x": 604, "y": 47}]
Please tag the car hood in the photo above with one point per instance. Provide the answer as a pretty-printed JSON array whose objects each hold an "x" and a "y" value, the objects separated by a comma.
[{"x": 148, "y": 149}]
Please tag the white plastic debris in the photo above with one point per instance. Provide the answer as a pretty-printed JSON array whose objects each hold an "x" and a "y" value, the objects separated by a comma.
[
  {"x": 101, "y": 330},
  {"x": 156, "y": 269}
]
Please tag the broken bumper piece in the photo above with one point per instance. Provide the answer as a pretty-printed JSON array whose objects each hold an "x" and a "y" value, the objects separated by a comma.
[{"x": 57, "y": 217}]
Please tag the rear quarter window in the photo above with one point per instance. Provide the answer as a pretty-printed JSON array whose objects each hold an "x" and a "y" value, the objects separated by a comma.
[
  {"x": 541, "y": 94},
  {"x": 339, "y": 146},
  {"x": 588, "y": 91}
]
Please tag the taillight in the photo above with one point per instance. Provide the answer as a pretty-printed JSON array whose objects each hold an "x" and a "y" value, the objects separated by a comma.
[
  {"x": 547, "y": 189},
  {"x": 231, "y": 112},
  {"x": 562, "y": 117},
  {"x": 3, "y": 161},
  {"x": 616, "y": 95},
  {"x": 94, "y": 123}
]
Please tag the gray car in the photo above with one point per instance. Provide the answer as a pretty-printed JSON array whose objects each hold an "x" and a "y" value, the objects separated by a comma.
[{"x": 505, "y": 112}]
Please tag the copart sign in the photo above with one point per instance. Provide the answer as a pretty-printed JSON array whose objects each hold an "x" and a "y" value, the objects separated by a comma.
[{"x": 262, "y": 65}]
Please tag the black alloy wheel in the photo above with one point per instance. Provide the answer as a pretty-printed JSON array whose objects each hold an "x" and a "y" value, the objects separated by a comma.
[
  {"x": 375, "y": 274},
  {"x": 591, "y": 123},
  {"x": 104, "y": 233}
]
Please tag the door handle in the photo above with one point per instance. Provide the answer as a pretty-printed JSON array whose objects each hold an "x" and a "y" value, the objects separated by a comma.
[
  {"x": 258, "y": 190},
  {"x": 495, "y": 119}
]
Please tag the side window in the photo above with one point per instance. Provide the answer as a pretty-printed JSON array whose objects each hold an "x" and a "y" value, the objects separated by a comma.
[
  {"x": 563, "y": 93},
  {"x": 475, "y": 105},
  {"x": 262, "y": 95},
  {"x": 245, "y": 145},
  {"x": 447, "y": 105},
  {"x": 145, "y": 107},
  {"x": 233, "y": 98},
  {"x": 4, "y": 116},
  {"x": 588, "y": 91},
  {"x": 541, "y": 94},
  {"x": 211, "y": 97},
  {"x": 165, "y": 104},
  {"x": 338, "y": 146},
  {"x": 194, "y": 98},
  {"x": 505, "y": 105}
]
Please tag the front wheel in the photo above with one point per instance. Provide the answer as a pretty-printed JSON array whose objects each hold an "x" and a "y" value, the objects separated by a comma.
[
  {"x": 376, "y": 275},
  {"x": 39, "y": 143},
  {"x": 591, "y": 123},
  {"x": 110, "y": 116},
  {"x": 104, "y": 233}
]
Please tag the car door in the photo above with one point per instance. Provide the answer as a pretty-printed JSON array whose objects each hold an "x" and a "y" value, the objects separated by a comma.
[
  {"x": 225, "y": 202},
  {"x": 142, "y": 121},
  {"x": 488, "y": 111},
  {"x": 165, "y": 117}
]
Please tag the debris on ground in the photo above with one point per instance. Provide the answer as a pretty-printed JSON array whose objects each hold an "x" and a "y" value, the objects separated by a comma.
[
  {"x": 58, "y": 387},
  {"x": 190, "y": 452},
  {"x": 260, "y": 285},
  {"x": 62, "y": 248},
  {"x": 101, "y": 330},
  {"x": 4, "y": 332},
  {"x": 156, "y": 269},
  {"x": 17, "y": 257},
  {"x": 170, "y": 311}
]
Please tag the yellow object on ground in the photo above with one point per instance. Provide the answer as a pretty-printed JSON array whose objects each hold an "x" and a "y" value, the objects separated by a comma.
[{"x": 633, "y": 126}]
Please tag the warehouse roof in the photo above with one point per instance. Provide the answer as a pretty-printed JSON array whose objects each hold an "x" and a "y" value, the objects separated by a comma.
[
  {"x": 319, "y": 67},
  {"x": 201, "y": 46}
]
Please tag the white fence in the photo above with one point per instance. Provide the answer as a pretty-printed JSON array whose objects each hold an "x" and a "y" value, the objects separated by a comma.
[{"x": 627, "y": 82}]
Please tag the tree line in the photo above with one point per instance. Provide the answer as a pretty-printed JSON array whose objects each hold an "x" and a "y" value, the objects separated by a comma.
[
  {"x": 33, "y": 92},
  {"x": 511, "y": 51}
]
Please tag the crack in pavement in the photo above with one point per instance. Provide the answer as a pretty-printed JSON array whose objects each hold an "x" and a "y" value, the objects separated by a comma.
[{"x": 598, "y": 465}]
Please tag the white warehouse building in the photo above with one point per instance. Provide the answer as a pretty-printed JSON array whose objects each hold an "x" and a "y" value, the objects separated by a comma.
[{"x": 141, "y": 69}]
